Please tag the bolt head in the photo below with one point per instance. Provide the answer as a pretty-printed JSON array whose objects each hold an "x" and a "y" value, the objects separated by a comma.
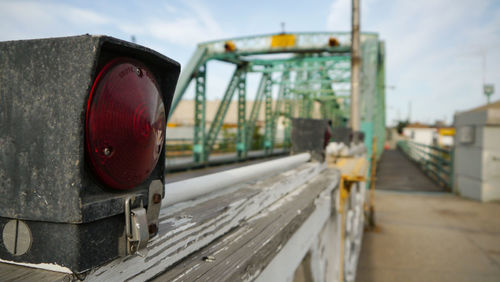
[
  {"x": 209, "y": 258},
  {"x": 106, "y": 151},
  {"x": 156, "y": 198},
  {"x": 153, "y": 229}
]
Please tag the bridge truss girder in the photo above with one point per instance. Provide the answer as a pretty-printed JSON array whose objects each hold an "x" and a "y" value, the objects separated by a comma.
[{"x": 314, "y": 75}]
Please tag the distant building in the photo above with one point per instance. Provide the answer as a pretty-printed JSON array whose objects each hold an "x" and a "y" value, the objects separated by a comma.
[
  {"x": 184, "y": 113},
  {"x": 445, "y": 137},
  {"x": 419, "y": 133},
  {"x": 477, "y": 153},
  {"x": 180, "y": 124},
  {"x": 430, "y": 135}
]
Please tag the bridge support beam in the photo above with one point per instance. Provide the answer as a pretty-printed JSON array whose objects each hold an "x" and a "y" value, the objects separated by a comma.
[
  {"x": 199, "y": 116},
  {"x": 241, "y": 140},
  {"x": 211, "y": 137},
  {"x": 254, "y": 113},
  {"x": 268, "y": 139}
]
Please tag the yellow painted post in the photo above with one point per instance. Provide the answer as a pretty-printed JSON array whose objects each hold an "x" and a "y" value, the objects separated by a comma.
[
  {"x": 353, "y": 170},
  {"x": 345, "y": 190}
]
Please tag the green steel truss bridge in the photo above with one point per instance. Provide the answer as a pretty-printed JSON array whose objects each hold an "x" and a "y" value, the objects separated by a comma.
[{"x": 313, "y": 67}]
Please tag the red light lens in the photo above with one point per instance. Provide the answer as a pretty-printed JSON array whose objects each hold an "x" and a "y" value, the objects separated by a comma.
[{"x": 125, "y": 124}]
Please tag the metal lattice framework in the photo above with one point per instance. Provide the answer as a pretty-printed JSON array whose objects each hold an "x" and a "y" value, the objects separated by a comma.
[{"x": 316, "y": 70}]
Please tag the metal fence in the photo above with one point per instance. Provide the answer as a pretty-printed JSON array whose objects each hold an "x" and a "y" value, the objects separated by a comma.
[
  {"x": 183, "y": 147},
  {"x": 436, "y": 162}
]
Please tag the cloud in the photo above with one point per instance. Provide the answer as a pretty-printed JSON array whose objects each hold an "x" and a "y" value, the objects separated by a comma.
[
  {"x": 434, "y": 48},
  {"x": 339, "y": 18},
  {"x": 183, "y": 24},
  {"x": 186, "y": 24},
  {"x": 26, "y": 19},
  {"x": 433, "y": 51},
  {"x": 81, "y": 16}
]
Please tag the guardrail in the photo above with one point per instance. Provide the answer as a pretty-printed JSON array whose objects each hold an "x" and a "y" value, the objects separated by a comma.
[
  {"x": 281, "y": 220},
  {"x": 183, "y": 147},
  {"x": 262, "y": 222},
  {"x": 436, "y": 162}
]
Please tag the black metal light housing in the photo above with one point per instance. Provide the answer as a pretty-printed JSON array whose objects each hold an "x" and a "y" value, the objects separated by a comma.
[{"x": 46, "y": 177}]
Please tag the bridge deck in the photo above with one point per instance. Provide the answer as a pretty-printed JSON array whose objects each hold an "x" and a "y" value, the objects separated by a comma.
[
  {"x": 427, "y": 236},
  {"x": 397, "y": 172},
  {"x": 431, "y": 237}
]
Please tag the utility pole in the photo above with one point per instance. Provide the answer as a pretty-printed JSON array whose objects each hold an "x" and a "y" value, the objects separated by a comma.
[
  {"x": 488, "y": 89},
  {"x": 355, "y": 68},
  {"x": 409, "y": 111}
]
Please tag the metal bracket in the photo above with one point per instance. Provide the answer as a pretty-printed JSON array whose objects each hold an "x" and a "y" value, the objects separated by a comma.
[
  {"x": 154, "y": 206},
  {"x": 141, "y": 224},
  {"x": 136, "y": 229}
]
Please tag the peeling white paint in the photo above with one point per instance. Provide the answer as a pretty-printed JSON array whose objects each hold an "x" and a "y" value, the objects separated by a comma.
[
  {"x": 190, "y": 235},
  {"x": 45, "y": 266},
  {"x": 283, "y": 265}
]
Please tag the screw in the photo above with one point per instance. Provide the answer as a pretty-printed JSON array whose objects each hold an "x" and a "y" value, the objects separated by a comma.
[
  {"x": 107, "y": 151},
  {"x": 17, "y": 237},
  {"x": 138, "y": 72},
  {"x": 153, "y": 229},
  {"x": 209, "y": 258},
  {"x": 156, "y": 198}
]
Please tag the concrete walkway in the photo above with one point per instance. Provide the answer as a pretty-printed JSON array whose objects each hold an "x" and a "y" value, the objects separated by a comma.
[{"x": 431, "y": 237}]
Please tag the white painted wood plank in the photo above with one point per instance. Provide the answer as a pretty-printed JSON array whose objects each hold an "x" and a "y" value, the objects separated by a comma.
[
  {"x": 187, "y": 227},
  {"x": 283, "y": 265}
]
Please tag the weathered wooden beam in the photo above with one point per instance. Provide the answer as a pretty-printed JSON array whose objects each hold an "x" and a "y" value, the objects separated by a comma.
[
  {"x": 187, "y": 227},
  {"x": 245, "y": 251},
  {"x": 10, "y": 272},
  {"x": 249, "y": 232}
]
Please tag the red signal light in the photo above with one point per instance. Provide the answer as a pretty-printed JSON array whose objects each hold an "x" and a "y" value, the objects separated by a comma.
[{"x": 125, "y": 124}]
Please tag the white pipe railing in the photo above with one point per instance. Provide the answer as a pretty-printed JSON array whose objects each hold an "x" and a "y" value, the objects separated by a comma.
[{"x": 189, "y": 189}]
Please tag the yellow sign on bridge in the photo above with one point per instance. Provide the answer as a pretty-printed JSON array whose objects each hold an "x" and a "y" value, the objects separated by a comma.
[{"x": 283, "y": 41}]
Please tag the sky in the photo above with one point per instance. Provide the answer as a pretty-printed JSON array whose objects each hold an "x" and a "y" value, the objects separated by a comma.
[{"x": 434, "y": 48}]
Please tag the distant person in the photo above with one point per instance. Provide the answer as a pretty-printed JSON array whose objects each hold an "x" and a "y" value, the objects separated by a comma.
[{"x": 328, "y": 134}]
